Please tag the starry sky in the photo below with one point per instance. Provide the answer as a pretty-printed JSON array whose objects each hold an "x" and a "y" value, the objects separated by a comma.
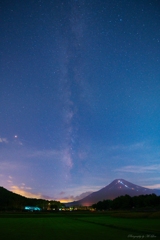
[{"x": 79, "y": 95}]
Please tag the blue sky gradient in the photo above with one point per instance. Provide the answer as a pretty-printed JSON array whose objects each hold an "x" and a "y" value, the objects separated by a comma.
[{"x": 79, "y": 95}]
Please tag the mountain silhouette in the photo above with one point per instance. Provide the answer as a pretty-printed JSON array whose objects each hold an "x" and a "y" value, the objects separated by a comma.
[
  {"x": 118, "y": 187},
  {"x": 13, "y": 201}
]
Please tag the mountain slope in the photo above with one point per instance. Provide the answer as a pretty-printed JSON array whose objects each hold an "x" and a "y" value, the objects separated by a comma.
[
  {"x": 10, "y": 200},
  {"x": 116, "y": 188},
  {"x": 13, "y": 201}
]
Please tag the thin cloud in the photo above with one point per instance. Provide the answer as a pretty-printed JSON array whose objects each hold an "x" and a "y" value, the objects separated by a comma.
[
  {"x": 139, "y": 169},
  {"x": 80, "y": 192},
  {"x": 44, "y": 153},
  {"x": 3, "y": 140},
  {"x": 9, "y": 181},
  {"x": 82, "y": 195},
  {"x": 62, "y": 193},
  {"x": 154, "y": 186},
  {"x": 7, "y": 166},
  {"x": 72, "y": 198},
  {"x": 25, "y": 193},
  {"x": 63, "y": 155},
  {"x": 131, "y": 147}
]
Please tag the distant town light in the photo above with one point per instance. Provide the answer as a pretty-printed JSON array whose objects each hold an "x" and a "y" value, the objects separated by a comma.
[{"x": 29, "y": 208}]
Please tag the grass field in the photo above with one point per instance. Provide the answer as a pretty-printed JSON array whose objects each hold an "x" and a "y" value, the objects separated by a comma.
[{"x": 76, "y": 225}]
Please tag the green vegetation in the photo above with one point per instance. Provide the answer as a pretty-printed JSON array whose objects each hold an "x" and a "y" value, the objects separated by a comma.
[
  {"x": 16, "y": 224},
  {"x": 78, "y": 225}
]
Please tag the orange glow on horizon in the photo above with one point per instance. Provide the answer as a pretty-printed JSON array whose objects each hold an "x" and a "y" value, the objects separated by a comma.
[
  {"x": 65, "y": 200},
  {"x": 24, "y": 193}
]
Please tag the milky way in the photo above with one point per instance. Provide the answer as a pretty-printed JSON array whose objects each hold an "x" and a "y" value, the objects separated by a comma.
[{"x": 79, "y": 96}]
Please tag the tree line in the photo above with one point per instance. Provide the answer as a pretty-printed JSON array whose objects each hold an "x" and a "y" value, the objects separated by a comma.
[{"x": 127, "y": 202}]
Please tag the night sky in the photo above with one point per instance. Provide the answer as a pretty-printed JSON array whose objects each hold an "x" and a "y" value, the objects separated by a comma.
[{"x": 79, "y": 95}]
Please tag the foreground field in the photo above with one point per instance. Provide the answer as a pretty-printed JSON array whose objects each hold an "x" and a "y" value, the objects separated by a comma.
[{"x": 86, "y": 226}]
